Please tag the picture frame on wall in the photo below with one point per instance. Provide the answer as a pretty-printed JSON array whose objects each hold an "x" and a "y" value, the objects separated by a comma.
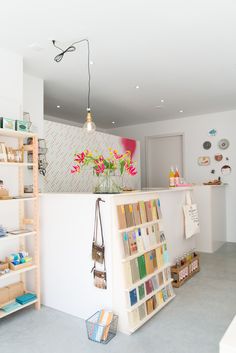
[{"x": 3, "y": 152}]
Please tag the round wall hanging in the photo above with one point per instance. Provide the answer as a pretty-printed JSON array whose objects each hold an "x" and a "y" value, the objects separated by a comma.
[
  {"x": 207, "y": 145},
  {"x": 218, "y": 157},
  {"x": 226, "y": 170},
  {"x": 223, "y": 144},
  {"x": 204, "y": 161},
  {"x": 212, "y": 132}
]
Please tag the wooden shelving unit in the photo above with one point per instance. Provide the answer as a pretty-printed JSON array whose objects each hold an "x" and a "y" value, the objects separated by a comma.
[
  {"x": 23, "y": 220},
  {"x": 134, "y": 319}
]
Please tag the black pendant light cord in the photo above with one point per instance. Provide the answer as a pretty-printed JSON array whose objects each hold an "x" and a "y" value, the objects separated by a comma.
[{"x": 70, "y": 49}]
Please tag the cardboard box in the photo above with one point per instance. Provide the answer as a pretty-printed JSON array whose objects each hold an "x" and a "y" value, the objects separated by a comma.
[
  {"x": 4, "y": 265},
  {"x": 4, "y": 296},
  {"x": 15, "y": 290}
]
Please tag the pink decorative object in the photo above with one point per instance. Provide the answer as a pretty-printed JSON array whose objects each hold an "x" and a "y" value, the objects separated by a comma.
[{"x": 129, "y": 145}]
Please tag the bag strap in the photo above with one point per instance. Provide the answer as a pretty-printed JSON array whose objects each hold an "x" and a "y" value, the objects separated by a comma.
[
  {"x": 188, "y": 198},
  {"x": 98, "y": 218}
]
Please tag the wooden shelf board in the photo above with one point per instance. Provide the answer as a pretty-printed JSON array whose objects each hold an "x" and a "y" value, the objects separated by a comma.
[
  {"x": 13, "y": 133},
  {"x": 141, "y": 323},
  {"x": 20, "y": 199},
  {"x": 133, "y": 307},
  {"x": 16, "y": 236},
  {"x": 153, "y": 247},
  {"x": 146, "y": 278},
  {"x": 18, "y": 164},
  {"x": 18, "y": 272},
  {"x": 3, "y": 314},
  {"x": 142, "y": 225}
]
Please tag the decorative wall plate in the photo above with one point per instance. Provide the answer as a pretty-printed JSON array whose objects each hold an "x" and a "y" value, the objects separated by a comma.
[
  {"x": 212, "y": 132},
  {"x": 223, "y": 144},
  {"x": 204, "y": 161},
  {"x": 207, "y": 145},
  {"x": 226, "y": 170},
  {"x": 218, "y": 157}
]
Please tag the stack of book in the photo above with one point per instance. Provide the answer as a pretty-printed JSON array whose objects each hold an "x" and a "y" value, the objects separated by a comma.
[{"x": 138, "y": 213}]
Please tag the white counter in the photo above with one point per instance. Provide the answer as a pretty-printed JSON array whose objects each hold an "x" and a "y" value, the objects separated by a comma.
[{"x": 67, "y": 232}]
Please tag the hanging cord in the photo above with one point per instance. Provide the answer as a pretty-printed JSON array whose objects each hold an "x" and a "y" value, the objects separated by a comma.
[{"x": 70, "y": 49}]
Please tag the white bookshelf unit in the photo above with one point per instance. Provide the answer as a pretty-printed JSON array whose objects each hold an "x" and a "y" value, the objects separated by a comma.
[
  {"x": 144, "y": 273},
  {"x": 22, "y": 211}
]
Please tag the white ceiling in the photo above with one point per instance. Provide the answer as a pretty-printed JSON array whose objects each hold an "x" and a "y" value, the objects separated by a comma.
[{"x": 181, "y": 51}]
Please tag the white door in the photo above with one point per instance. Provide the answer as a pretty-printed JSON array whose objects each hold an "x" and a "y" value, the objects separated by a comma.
[{"x": 162, "y": 152}]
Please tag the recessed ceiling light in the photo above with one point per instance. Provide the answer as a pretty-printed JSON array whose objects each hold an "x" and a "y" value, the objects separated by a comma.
[
  {"x": 58, "y": 106},
  {"x": 113, "y": 122},
  {"x": 181, "y": 111},
  {"x": 162, "y": 101},
  {"x": 91, "y": 62},
  {"x": 137, "y": 87}
]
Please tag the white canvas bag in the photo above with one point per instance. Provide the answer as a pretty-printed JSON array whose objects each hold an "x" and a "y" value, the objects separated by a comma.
[{"x": 191, "y": 219}]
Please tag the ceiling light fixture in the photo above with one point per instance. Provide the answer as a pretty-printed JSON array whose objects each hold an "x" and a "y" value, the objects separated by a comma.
[
  {"x": 137, "y": 87},
  {"x": 89, "y": 124},
  {"x": 162, "y": 101},
  {"x": 113, "y": 122},
  {"x": 58, "y": 106},
  {"x": 181, "y": 111}
]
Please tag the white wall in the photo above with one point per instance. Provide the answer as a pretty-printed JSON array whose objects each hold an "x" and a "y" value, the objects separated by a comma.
[
  {"x": 33, "y": 102},
  {"x": 195, "y": 131}
]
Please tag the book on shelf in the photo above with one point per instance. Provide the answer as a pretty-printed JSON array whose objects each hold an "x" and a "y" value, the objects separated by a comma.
[
  {"x": 141, "y": 291},
  {"x": 126, "y": 248},
  {"x": 159, "y": 257},
  {"x": 164, "y": 294},
  {"x": 149, "y": 262},
  {"x": 121, "y": 217},
  {"x": 142, "y": 212},
  {"x": 149, "y": 306},
  {"x": 157, "y": 232},
  {"x": 154, "y": 210},
  {"x": 136, "y": 213},
  {"x": 129, "y": 216},
  {"x": 132, "y": 242},
  {"x": 145, "y": 237},
  {"x": 154, "y": 282},
  {"x": 152, "y": 235},
  {"x": 134, "y": 317},
  {"x": 148, "y": 207},
  {"x": 158, "y": 204},
  {"x": 154, "y": 259},
  {"x": 160, "y": 279},
  {"x": 159, "y": 297},
  {"x": 133, "y": 296},
  {"x": 142, "y": 266},
  {"x": 165, "y": 254},
  {"x": 142, "y": 311},
  {"x": 127, "y": 274},
  {"x": 139, "y": 240},
  {"x": 149, "y": 286},
  {"x": 134, "y": 270}
]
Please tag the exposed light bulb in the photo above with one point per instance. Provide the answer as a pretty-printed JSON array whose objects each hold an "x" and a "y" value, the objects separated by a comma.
[
  {"x": 181, "y": 111},
  {"x": 113, "y": 122},
  {"x": 58, "y": 106},
  {"x": 162, "y": 101},
  {"x": 89, "y": 125},
  {"x": 137, "y": 87}
]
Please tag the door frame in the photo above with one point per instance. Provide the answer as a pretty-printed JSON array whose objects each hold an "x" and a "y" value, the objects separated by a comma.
[{"x": 148, "y": 138}]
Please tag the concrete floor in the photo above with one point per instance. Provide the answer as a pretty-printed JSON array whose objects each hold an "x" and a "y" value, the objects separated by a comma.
[{"x": 193, "y": 323}]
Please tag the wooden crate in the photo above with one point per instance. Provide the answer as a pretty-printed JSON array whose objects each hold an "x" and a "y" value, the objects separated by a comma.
[{"x": 181, "y": 274}]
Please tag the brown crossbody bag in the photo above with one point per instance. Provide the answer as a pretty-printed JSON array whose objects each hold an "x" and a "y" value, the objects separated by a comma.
[{"x": 98, "y": 250}]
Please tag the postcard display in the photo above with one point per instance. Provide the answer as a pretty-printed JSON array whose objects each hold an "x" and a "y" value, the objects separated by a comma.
[{"x": 142, "y": 283}]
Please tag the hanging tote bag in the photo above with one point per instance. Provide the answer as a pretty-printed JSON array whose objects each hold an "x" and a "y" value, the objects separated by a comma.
[
  {"x": 98, "y": 249},
  {"x": 191, "y": 219}
]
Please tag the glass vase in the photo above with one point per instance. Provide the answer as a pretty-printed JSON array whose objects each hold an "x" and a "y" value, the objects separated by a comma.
[{"x": 106, "y": 184}]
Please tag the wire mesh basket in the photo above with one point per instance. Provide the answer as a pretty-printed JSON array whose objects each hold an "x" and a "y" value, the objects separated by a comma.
[{"x": 99, "y": 332}]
